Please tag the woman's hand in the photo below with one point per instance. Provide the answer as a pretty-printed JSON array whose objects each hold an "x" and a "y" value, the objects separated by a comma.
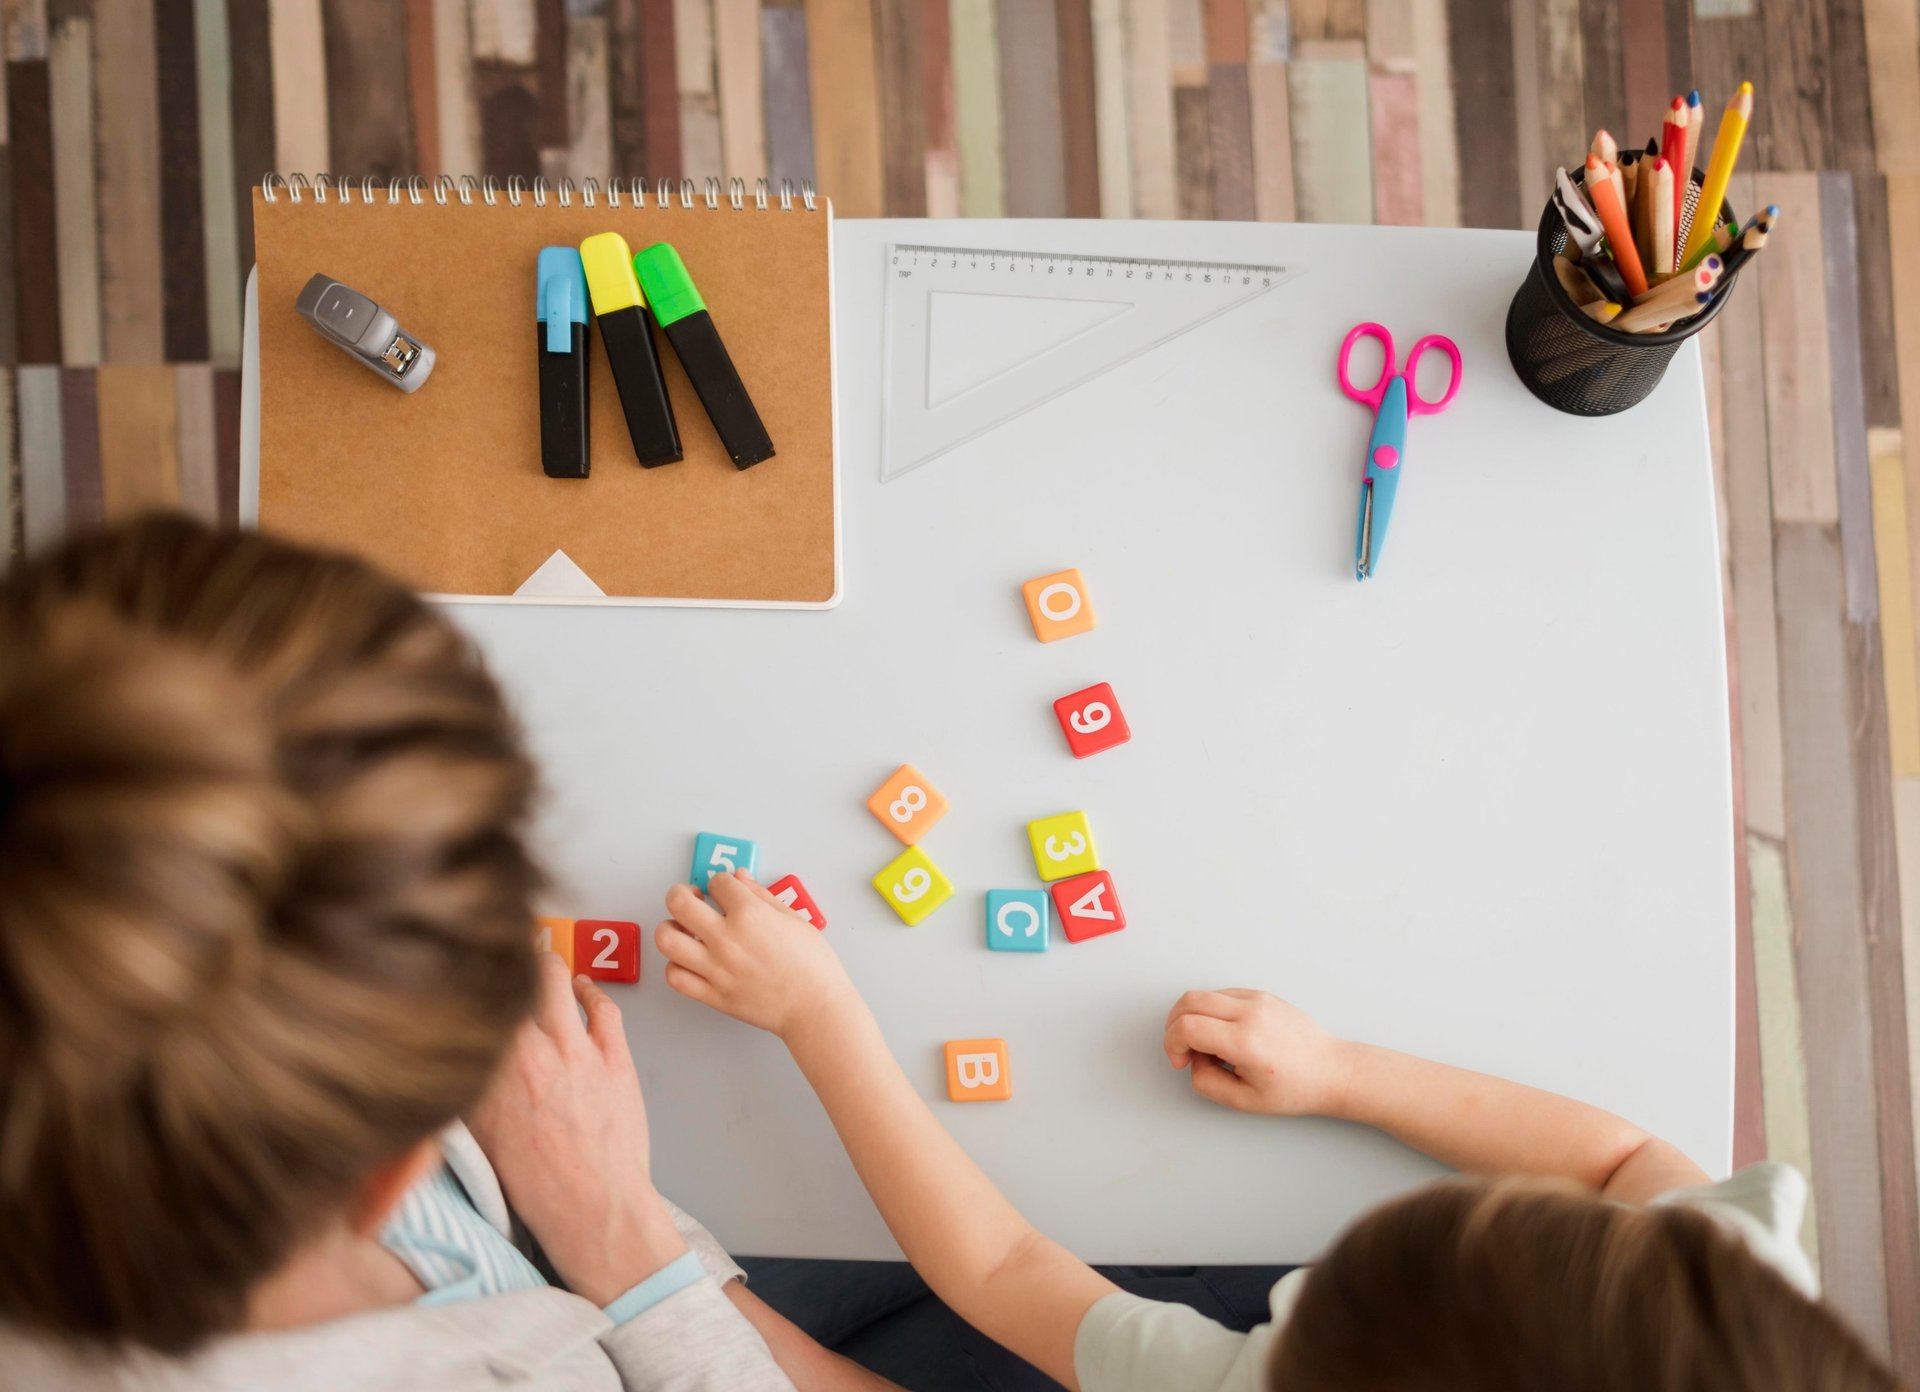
[
  {"x": 745, "y": 954},
  {"x": 1279, "y": 1061},
  {"x": 566, "y": 1130}
]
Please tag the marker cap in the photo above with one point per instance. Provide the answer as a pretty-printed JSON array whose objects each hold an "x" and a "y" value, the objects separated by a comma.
[
  {"x": 562, "y": 297},
  {"x": 669, "y": 288},
  {"x": 609, "y": 270}
]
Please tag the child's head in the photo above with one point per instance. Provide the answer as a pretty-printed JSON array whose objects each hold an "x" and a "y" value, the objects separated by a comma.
[
  {"x": 264, "y": 913},
  {"x": 1521, "y": 1284}
]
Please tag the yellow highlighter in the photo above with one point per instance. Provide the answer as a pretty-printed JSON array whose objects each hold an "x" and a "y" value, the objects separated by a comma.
[
  {"x": 626, "y": 330},
  {"x": 1726, "y": 149}
]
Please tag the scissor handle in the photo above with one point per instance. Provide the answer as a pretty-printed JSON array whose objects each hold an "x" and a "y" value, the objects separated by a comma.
[
  {"x": 1371, "y": 396},
  {"x": 1416, "y": 405}
]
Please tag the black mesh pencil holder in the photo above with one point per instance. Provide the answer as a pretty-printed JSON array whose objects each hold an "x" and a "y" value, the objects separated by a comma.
[{"x": 1576, "y": 364}]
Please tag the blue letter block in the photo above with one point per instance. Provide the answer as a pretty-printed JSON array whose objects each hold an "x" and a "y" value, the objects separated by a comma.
[{"x": 1018, "y": 920}]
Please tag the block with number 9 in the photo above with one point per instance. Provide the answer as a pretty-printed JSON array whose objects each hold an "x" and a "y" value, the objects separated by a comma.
[
  {"x": 790, "y": 892},
  {"x": 907, "y": 804},
  {"x": 1063, "y": 846},
  {"x": 555, "y": 935},
  {"x": 607, "y": 949},
  {"x": 1091, "y": 720},
  {"x": 722, "y": 855},
  {"x": 913, "y": 886}
]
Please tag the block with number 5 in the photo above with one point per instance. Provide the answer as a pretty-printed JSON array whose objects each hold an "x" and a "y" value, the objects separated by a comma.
[
  {"x": 1091, "y": 720},
  {"x": 722, "y": 855},
  {"x": 907, "y": 804},
  {"x": 790, "y": 892},
  {"x": 913, "y": 886},
  {"x": 606, "y": 949},
  {"x": 1063, "y": 846},
  {"x": 1088, "y": 906}
]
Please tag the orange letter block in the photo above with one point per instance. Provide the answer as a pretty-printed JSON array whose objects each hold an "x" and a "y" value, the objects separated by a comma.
[
  {"x": 977, "y": 1070},
  {"x": 555, "y": 935},
  {"x": 1058, "y": 605}
]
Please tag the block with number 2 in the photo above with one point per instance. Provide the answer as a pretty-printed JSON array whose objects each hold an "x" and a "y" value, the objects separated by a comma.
[
  {"x": 913, "y": 886},
  {"x": 1088, "y": 906},
  {"x": 790, "y": 892},
  {"x": 607, "y": 949},
  {"x": 907, "y": 804},
  {"x": 1091, "y": 720}
]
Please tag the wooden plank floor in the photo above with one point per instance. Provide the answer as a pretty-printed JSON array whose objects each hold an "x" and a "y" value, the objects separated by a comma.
[{"x": 132, "y": 130}]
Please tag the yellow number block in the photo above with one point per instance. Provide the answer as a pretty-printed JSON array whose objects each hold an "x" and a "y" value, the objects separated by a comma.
[
  {"x": 1058, "y": 605},
  {"x": 555, "y": 935},
  {"x": 1063, "y": 846},
  {"x": 907, "y": 804},
  {"x": 913, "y": 886},
  {"x": 977, "y": 1070}
]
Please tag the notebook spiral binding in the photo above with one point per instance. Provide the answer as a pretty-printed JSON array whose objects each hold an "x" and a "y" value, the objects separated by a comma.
[{"x": 417, "y": 189}]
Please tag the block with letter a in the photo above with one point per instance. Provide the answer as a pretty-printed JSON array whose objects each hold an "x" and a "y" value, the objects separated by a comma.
[
  {"x": 977, "y": 1070},
  {"x": 1088, "y": 906}
]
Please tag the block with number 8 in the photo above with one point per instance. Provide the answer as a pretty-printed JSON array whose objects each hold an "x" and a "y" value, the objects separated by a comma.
[
  {"x": 1091, "y": 720},
  {"x": 722, "y": 855},
  {"x": 790, "y": 892},
  {"x": 607, "y": 949},
  {"x": 1063, "y": 846},
  {"x": 907, "y": 804},
  {"x": 1017, "y": 920},
  {"x": 913, "y": 886}
]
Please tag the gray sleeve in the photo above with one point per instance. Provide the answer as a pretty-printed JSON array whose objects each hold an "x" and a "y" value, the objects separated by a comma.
[
  {"x": 693, "y": 1341},
  {"x": 703, "y": 1244}
]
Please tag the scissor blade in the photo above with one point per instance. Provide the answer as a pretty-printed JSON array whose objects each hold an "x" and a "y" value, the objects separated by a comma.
[{"x": 1363, "y": 557}]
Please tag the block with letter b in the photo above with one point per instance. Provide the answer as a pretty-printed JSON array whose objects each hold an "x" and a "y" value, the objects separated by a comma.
[
  {"x": 1058, "y": 605},
  {"x": 1091, "y": 720},
  {"x": 607, "y": 949},
  {"x": 721, "y": 855},
  {"x": 555, "y": 935},
  {"x": 1088, "y": 906},
  {"x": 977, "y": 1070},
  {"x": 913, "y": 886},
  {"x": 1062, "y": 846},
  {"x": 1017, "y": 920},
  {"x": 791, "y": 893},
  {"x": 907, "y": 804}
]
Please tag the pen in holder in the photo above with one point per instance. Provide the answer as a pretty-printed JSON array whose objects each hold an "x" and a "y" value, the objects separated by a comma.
[{"x": 1577, "y": 364}]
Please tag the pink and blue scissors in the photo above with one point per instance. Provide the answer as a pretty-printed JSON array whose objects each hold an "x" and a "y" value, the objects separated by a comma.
[{"x": 1394, "y": 399}]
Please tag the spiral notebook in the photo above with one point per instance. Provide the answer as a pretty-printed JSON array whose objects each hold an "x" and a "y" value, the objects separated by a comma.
[{"x": 444, "y": 487}]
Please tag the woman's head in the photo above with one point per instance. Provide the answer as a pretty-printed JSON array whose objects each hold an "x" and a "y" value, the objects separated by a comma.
[
  {"x": 1523, "y": 1284},
  {"x": 264, "y": 913}
]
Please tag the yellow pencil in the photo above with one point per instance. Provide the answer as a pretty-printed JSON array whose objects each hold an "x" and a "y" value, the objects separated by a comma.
[
  {"x": 1601, "y": 311},
  {"x": 1726, "y": 149}
]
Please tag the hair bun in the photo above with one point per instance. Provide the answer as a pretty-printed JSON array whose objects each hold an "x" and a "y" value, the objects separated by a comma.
[{"x": 143, "y": 828}]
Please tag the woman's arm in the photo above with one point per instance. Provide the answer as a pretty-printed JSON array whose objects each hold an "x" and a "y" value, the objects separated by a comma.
[
  {"x": 747, "y": 956},
  {"x": 1281, "y": 1063}
]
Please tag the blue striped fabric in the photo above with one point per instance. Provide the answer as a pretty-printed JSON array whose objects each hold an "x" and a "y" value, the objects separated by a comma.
[{"x": 457, "y": 1254}]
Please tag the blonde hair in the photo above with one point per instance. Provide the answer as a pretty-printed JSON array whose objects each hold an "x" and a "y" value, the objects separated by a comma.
[
  {"x": 264, "y": 913},
  {"x": 1522, "y": 1284}
]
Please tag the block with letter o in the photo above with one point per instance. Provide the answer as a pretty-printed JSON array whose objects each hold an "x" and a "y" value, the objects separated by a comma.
[{"x": 1058, "y": 605}]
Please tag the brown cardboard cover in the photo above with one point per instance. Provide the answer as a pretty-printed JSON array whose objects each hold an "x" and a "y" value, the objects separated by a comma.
[{"x": 444, "y": 487}]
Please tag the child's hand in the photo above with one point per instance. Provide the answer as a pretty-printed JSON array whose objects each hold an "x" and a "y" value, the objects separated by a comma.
[
  {"x": 566, "y": 1130},
  {"x": 745, "y": 954},
  {"x": 1283, "y": 1064}
]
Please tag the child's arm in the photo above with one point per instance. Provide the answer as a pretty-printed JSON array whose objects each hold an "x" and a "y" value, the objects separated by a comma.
[
  {"x": 747, "y": 956},
  {"x": 1286, "y": 1065}
]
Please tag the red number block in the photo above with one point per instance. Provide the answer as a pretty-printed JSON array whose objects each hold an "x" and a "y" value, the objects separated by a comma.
[
  {"x": 606, "y": 949},
  {"x": 1091, "y": 720},
  {"x": 1088, "y": 906},
  {"x": 793, "y": 894}
]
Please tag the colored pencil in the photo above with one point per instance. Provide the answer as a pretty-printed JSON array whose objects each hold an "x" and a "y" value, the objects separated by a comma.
[
  {"x": 1752, "y": 240},
  {"x": 1575, "y": 282},
  {"x": 1726, "y": 149},
  {"x": 1677, "y": 299},
  {"x": 1602, "y": 311},
  {"x": 1604, "y": 147},
  {"x": 1726, "y": 236},
  {"x": 1673, "y": 149},
  {"x": 1613, "y": 216},
  {"x": 1660, "y": 207}
]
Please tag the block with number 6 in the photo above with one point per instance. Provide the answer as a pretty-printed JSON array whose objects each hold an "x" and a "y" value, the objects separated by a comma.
[
  {"x": 607, "y": 949},
  {"x": 1088, "y": 906},
  {"x": 977, "y": 1071},
  {"x": 907, "y": 804},
  {"x": 1063, "y": 846},
  {"x": 1017, "y": 920},
  {"x": 722, "y": 855},
  {"x": 913, "y": 886},
  {"x": 555, "y": 935},
  {"x": 789, "y": 891},
  {"x": 1091, "y": 720}
]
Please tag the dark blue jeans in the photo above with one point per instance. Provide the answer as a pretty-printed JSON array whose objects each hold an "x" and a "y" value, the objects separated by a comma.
[{"x": 884, "y": 1318}]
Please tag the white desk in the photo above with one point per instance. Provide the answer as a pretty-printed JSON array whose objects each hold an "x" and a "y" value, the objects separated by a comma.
[{"x": 1477, "y": 808}]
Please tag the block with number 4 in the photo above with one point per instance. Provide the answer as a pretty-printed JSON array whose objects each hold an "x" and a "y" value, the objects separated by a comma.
[
  {"x": 977, "y": 1070},
  {"x": 1017, "y": 920},
  {"x": 1088, "y": 906},
  {"x": 913, "y": 886},
  {"x": 1058, "y": 605},
  {"x": 607, "y": 949},
  {"x": 1063, "y": 846},
  {"x": 789, "y": 891},
  {"x": 1091, "y": 720},
  {"x": 555, "y": 935},
  {"x": 722, "y": 855},
  {"x": 907, "y": 804}
]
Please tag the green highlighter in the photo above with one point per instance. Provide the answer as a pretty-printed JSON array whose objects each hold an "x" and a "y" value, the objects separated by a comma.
[{"x": 678, "y": 309}]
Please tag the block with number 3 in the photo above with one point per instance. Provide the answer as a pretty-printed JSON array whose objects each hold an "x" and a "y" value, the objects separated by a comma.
[
  {"x": 721, "y": 855},
  {"x": 1091, "y": 720},
  {"x": 607, "y": 949},
  {"x": 977, "y": 1071},
  {"x": 913, "y": 886},
  {"x": 1063, "y": 846},
  {"x": 790, "y": 892},
  {"x": 907, "y": 804},
  {"x": 1088, "y": 906}
]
